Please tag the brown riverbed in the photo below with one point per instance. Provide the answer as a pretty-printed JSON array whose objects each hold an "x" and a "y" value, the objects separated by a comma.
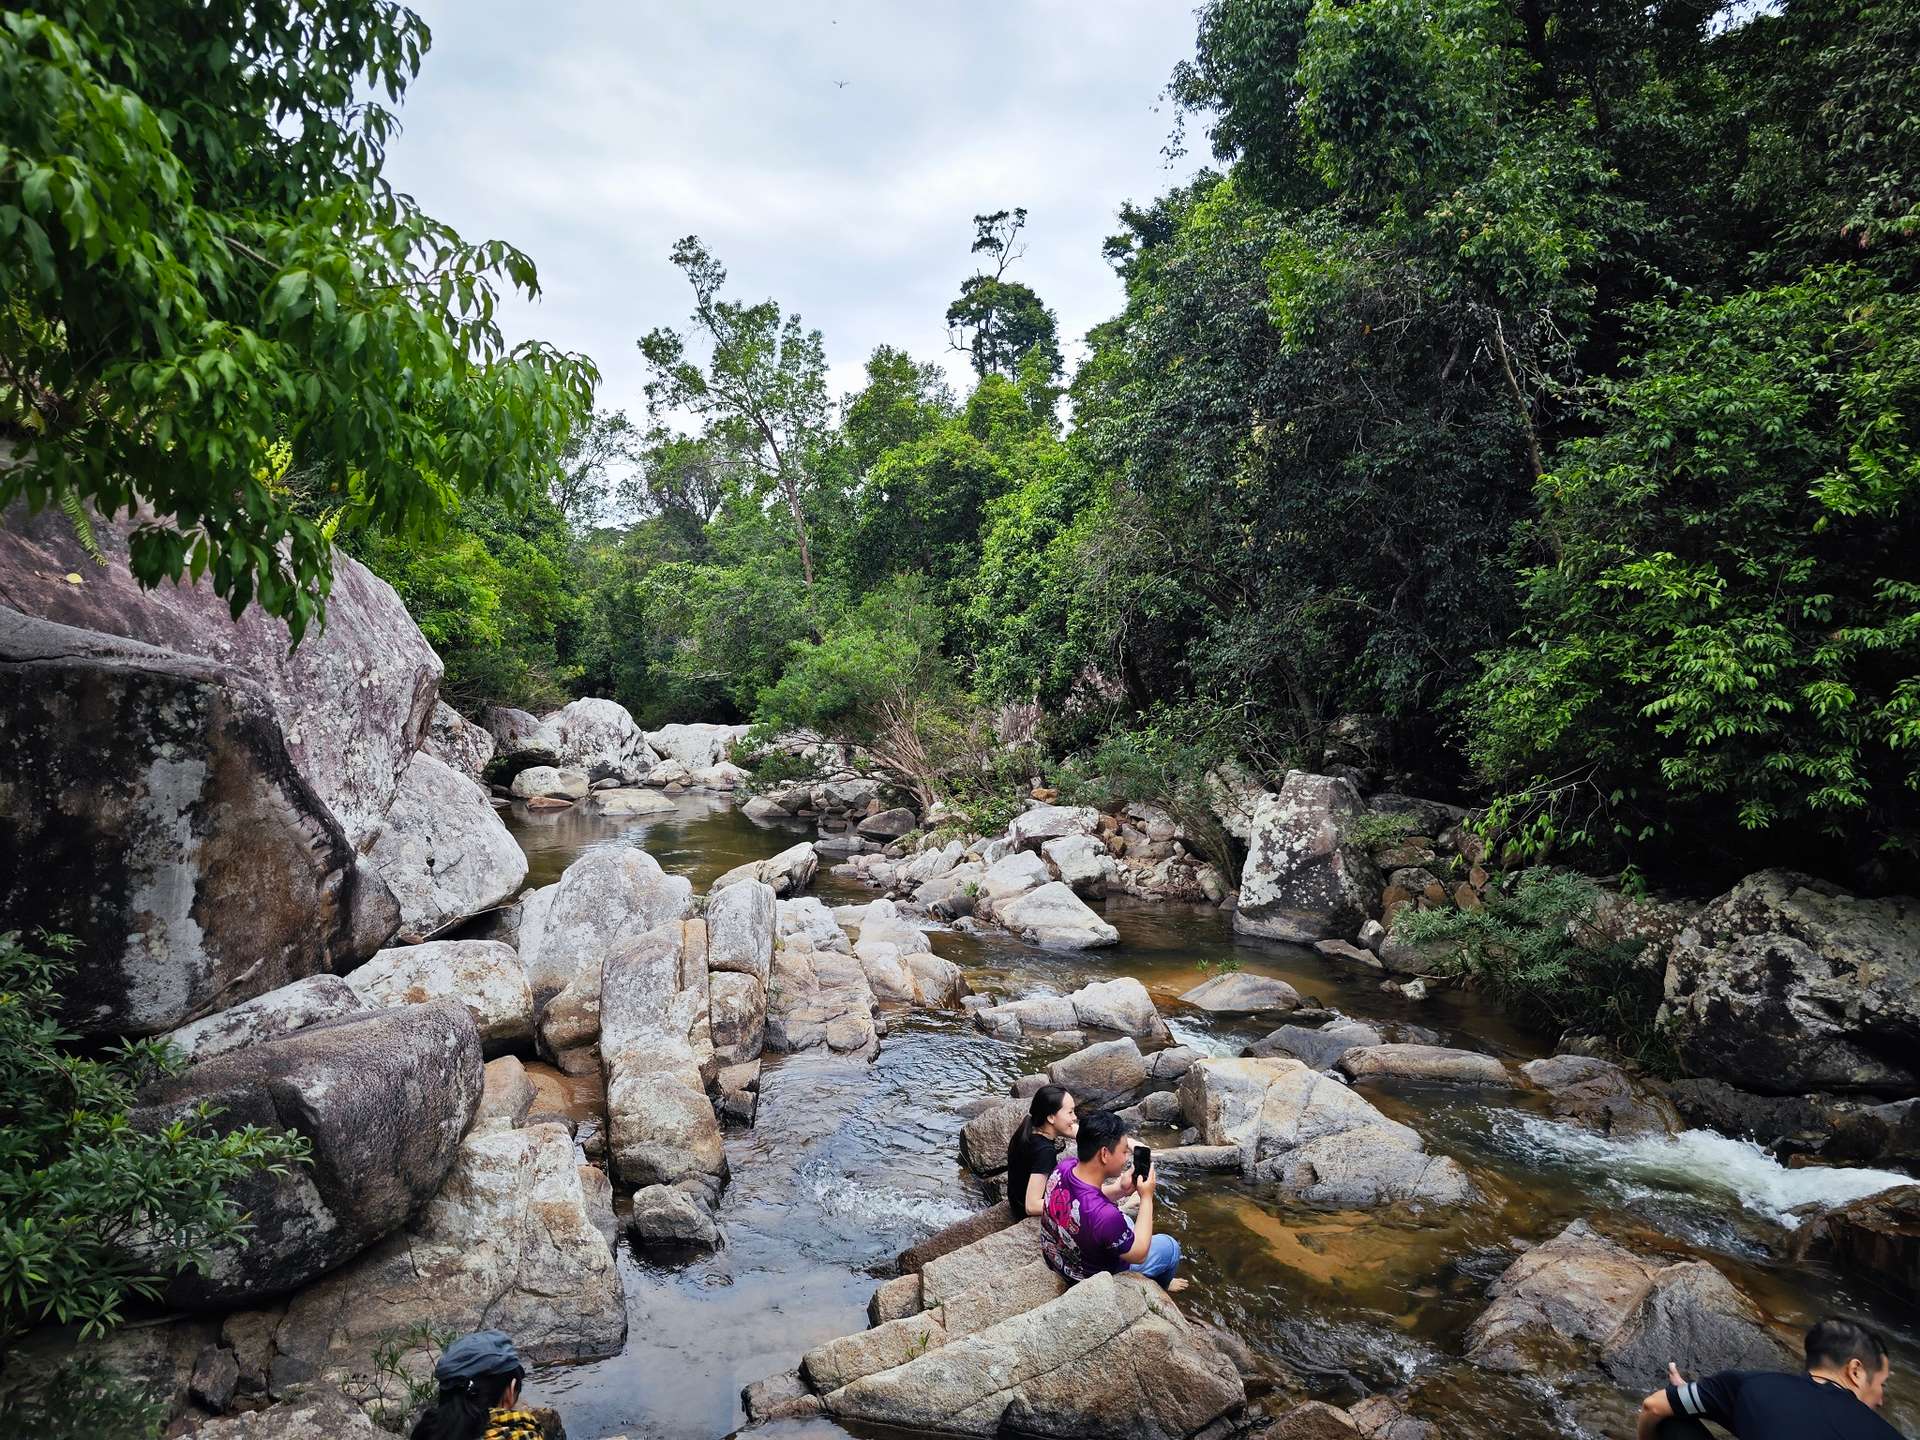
[{"x": 849, "y": 1163}]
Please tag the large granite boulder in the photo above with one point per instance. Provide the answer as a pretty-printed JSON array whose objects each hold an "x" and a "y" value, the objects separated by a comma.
[
  {"x": 1314, "y": 1137},
  {"x": 1599, "y": 1093},
  {"x": 443, "y": 850},
  {"x": 1240, "y": 993},
  {"x": 819, "y": 998},
  {"x": 266, "y": 1017},
  {"x": 628, "y": 801},
  {"x": 1032, "y": 828},
  {"x": 1055, "y": 917},
  {"x": 352, "y": 701},
  {"x": 1082, "y": 863},
  {"x": 548, "y": 782},
  {"x": 661, "y": 1126},
  {"x": 154, "y": 810},
  {"x": 599, "y": 737},
  {"x": 788, "y": 873},
  {"x": 1319, "y": 1047},
  {"x": 1012, "y": 876},
  {"x": 1787, "y": 984},
  {"x": 508, "y": 1242},
  {"x": 1425, "y": 1064},
  {"x": 310, "y": 1412},
  {"x": 483, "y": 975},
  {"x": 1103, "y": 1075},
  {"x": 457, "y": 742},
  {"x": 1582, "y": 1302},
  {"x": 520, "y": 741},
  {"x": 603, "y": 896},
  {"x": 697, "y": 746},
  {"x": 1304, "y": 880},
  {"x": 1160, "y": 1377},
  {"x": 741, "y": 923},
  {"x": 383, "y": 1098},
  {"x": 1122, "y": 1006}
]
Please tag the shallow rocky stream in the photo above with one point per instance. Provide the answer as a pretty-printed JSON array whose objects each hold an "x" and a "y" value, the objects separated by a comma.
[{"x": 848, "y": 1163}]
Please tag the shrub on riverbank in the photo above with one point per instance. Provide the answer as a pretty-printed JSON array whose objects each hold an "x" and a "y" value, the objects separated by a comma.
[
  {"x": 93, "y": 1212},
  {"x": 1534, "y": 946}
]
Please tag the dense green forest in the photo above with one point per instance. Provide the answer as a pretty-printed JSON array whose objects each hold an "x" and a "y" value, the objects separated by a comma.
[{"x": 1538, "y": 382}]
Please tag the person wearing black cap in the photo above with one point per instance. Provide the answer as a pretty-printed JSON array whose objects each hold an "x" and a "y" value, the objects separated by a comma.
[{"x": 480, "y": 1377}]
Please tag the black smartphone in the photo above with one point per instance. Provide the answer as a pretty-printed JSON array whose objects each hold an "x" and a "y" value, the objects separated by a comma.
[{"x": 1142, "y": 1161}]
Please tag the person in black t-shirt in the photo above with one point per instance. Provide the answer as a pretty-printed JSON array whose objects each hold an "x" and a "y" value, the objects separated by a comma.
[
  {"x": 1035, "y": 1148},
  {"x": 1838, "y": 1398}
]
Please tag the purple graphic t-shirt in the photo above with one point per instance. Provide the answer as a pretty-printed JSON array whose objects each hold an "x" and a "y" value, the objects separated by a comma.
[{"x": 1082, "y": 1233}]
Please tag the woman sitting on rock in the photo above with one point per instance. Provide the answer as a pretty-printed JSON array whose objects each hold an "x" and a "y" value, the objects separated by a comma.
[
  {"x": 1035, "y": 1148},
  {"x": 480, "y": 1377}
]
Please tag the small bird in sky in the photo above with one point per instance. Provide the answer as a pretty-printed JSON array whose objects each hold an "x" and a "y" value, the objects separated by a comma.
[{"x": 841, "y": 84}]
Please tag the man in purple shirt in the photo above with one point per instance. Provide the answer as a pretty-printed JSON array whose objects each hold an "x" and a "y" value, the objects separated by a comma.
[{"x": 1083, "y": 1232}]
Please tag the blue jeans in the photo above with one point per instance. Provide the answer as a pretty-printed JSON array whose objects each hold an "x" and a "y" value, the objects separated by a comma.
[{"x": 1163, "y": 1258}]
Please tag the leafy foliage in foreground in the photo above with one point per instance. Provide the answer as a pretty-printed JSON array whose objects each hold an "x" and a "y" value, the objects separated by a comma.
[
  {"x": 201, "y": 260},
  {"x": 93, "y": 1211}
]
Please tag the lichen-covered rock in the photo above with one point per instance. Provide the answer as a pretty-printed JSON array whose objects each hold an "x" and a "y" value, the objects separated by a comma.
[
  {"x": 483, "y": 975},
  {"x": 154, "y": 810},
  {"x": 443, "y": 850},
  {"x": 266, "y": 1017},
  {"x": 1304, "y": 880},
  {"x": 599, "y": 737},
  {"x": 1788, "y": 984},
  {"x": 383, "y": 1097},
  {"x": 509, "y": 1241},
  {"x": 309, "y": 1412},
  {"x": 352, "y": 702},
  {"x": 738, "y": 1007},
  {"x": 457, "y": 742}
]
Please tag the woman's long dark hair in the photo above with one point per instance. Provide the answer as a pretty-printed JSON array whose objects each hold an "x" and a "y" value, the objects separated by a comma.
[
  {"x": 462, "y": 1411},
  {"x": 1047, "y": 1101}
]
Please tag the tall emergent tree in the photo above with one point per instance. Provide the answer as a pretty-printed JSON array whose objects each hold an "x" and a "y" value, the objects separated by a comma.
[
  {"x": 999, "y": 322},
  {"x": 764, "y": 386},
  {"x": 202, "y": 260}
]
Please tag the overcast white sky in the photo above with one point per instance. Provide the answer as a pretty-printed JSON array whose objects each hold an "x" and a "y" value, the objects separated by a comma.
[{"x": 594, "y": 133}]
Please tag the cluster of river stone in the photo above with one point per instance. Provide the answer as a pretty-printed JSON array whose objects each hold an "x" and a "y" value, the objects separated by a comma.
[{"x": 289, "y": 864}]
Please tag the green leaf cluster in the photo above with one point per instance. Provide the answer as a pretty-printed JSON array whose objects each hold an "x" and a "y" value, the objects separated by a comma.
[
  {"x": 92, "y": 1210},
  {"x": 201, "y": 261}
]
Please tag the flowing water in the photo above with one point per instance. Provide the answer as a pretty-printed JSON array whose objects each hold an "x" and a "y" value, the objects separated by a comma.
[{"x": 849, "y": 1163}]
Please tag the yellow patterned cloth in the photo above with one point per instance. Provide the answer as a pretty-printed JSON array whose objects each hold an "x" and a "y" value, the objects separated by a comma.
[{"x": 514, "y": 1425}]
